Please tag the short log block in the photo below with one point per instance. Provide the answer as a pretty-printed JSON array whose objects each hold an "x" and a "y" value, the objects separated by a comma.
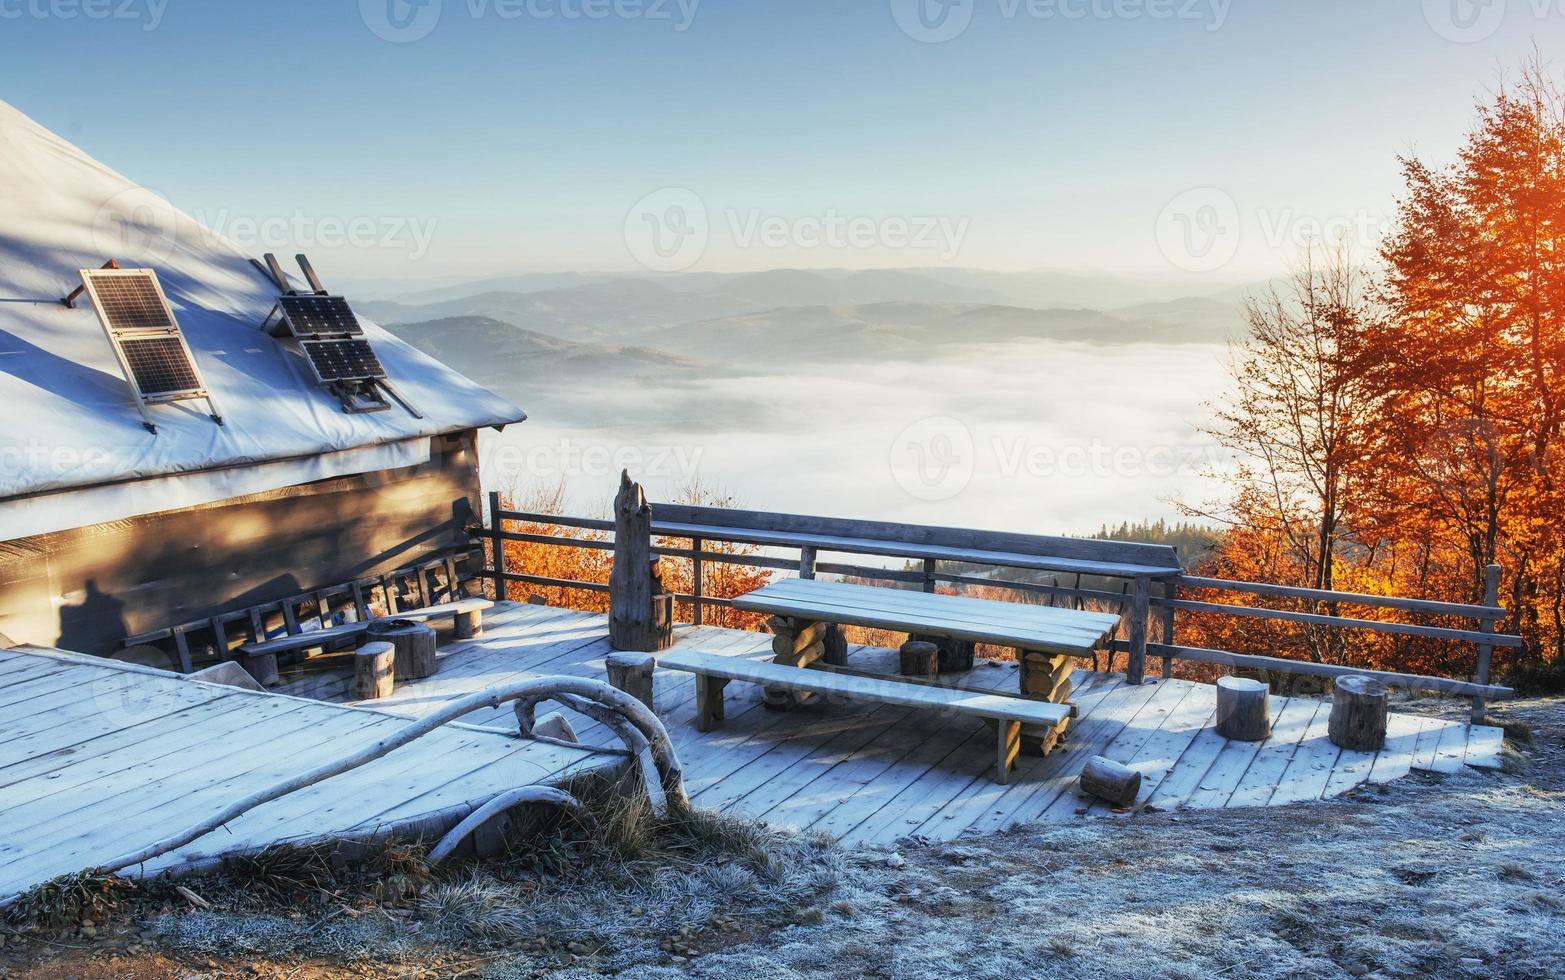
[
  {"x": 374, "y": 671},
  {"x": 1358, "y": 713},
  {"x": 414, "y": 643},
  {"x": 632, "y": 673},
  {"x": 1243, "y": 709},
  {"x": 469, "y": 623},
  {"x": 1110, "y": 782},
  {"x": 920, "y": 659}
]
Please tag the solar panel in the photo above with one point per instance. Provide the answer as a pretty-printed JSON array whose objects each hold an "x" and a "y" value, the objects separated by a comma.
[
  {"x": 139, "y": 323},
  {"x": 130, "y": 301},
  {"x": 343, "y": 360},
  {"x": 160, "y": 367},
  {"x": 310, "y": 316}
]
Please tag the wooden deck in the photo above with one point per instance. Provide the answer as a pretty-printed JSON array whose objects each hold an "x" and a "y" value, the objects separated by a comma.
[
  {"x": 876, "y": 773},
  {"x": 98, "y": 759}
]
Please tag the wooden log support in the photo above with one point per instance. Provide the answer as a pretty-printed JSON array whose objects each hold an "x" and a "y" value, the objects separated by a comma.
[
  {"x": 836, "y": 643},
  {"x": 1243, "y": 709},
  {"x": 1044, "y": 676},
  {"x": 1110, "y": 781},
  {"x": 374, "y": 671},
  {"x": 1008, "y": 745},
  {"x": 920, "y": 659},
  {"x": 641, "y": 616},
  {"x": 414, "y": 643},
  {"x": 1358, "y": 714},
  {"x": 632, "y": 673},
  {"x": 709, "y": 702}
]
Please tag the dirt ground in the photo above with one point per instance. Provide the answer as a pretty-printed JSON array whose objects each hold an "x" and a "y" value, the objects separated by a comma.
[{"x": 1458, "y": 876}]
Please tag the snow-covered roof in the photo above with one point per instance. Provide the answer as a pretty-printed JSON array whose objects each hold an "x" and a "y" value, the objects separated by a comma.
[{"x": 71, "y": 416}]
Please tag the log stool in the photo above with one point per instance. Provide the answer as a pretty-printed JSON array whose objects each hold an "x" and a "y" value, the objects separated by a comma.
[
  {"x": 1243, "y": 709},
  {"x": 374, "y": 671},
  {"x": 414, "y": 643},
  {"x": 1110, "y": 782},
  {"x": 632, "y": 673},
  {"x": 920, "y": 659},
  {"x": 1358, "y": 713}
]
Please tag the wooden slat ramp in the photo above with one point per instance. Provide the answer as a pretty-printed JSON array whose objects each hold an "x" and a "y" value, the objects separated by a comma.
[
  {"x": 869, "y": 773},
  {"x": 98, "y": 759}
]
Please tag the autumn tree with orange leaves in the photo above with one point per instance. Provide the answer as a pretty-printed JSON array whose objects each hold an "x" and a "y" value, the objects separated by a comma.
[{"x": 1400, "y": 436}]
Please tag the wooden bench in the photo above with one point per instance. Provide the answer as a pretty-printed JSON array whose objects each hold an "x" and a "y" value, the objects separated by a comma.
[
  {"x": 713, "y": 673},
  {"x": 260, "y": 659},
  {"x": 1139, "y": 564}
]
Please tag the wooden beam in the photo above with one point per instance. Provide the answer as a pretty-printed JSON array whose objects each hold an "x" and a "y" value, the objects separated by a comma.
[
  {"x": 1346, "y": 598},
  {"x": 1343, "y": 622},
  {"x": 1244, "y": 661}
]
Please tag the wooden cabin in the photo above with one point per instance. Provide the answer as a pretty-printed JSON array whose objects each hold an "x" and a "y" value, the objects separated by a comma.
[{"x": 124, "y": 512}]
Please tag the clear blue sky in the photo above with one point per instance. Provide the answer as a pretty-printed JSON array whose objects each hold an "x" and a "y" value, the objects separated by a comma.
[{"x": 1052, "y": 134}]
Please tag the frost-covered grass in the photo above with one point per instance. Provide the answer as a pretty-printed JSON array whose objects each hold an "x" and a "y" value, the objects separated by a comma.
[{"x": 1455, "y": 876}]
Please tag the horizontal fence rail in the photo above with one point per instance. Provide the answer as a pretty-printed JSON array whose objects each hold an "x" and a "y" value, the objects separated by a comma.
[{"x": 1135, "y": 601}]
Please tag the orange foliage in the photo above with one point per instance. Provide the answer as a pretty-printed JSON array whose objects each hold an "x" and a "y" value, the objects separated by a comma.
[
  {"x": 593, "y": 561},
  {"x": 1435, "y": 449}
]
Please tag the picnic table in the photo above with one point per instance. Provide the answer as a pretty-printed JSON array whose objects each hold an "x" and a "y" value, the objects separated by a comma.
[{"x": 806, "y": 614}]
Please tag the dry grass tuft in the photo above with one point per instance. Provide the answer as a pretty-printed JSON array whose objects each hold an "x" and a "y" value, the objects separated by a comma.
[{"x": 69, "y": 899}]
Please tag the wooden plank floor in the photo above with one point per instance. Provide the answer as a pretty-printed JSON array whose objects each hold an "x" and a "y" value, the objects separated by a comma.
[
  {"x": 99, "y": 759},
  {"x": 876, "y": 773}
]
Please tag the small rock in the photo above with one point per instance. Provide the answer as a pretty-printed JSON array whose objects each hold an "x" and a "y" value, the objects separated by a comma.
[{"x": 896, "y": 861}]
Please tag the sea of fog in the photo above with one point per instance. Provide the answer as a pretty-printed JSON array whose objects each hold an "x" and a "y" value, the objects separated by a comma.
[{"x": 1040, "y": 437}]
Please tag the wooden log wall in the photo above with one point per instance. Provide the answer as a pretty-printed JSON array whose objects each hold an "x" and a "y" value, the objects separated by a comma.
[{"x": 87, "y": 589}]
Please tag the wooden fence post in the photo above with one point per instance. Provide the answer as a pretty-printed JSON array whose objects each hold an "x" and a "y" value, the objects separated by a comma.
[
  {"x": 502, "y": 591},
  {"x": 1491, "y": 597},
  {"x": 696, "y": 593},
  {"x": 1170, "y": 593},
  {"x": 640, "y": 617},
  {"x": 807, "y": 562},
  {"x": 1140, "y": 603}
]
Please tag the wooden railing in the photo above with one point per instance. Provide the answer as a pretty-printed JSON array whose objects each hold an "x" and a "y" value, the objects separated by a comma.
[{"x": 1161, "y": 609}]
